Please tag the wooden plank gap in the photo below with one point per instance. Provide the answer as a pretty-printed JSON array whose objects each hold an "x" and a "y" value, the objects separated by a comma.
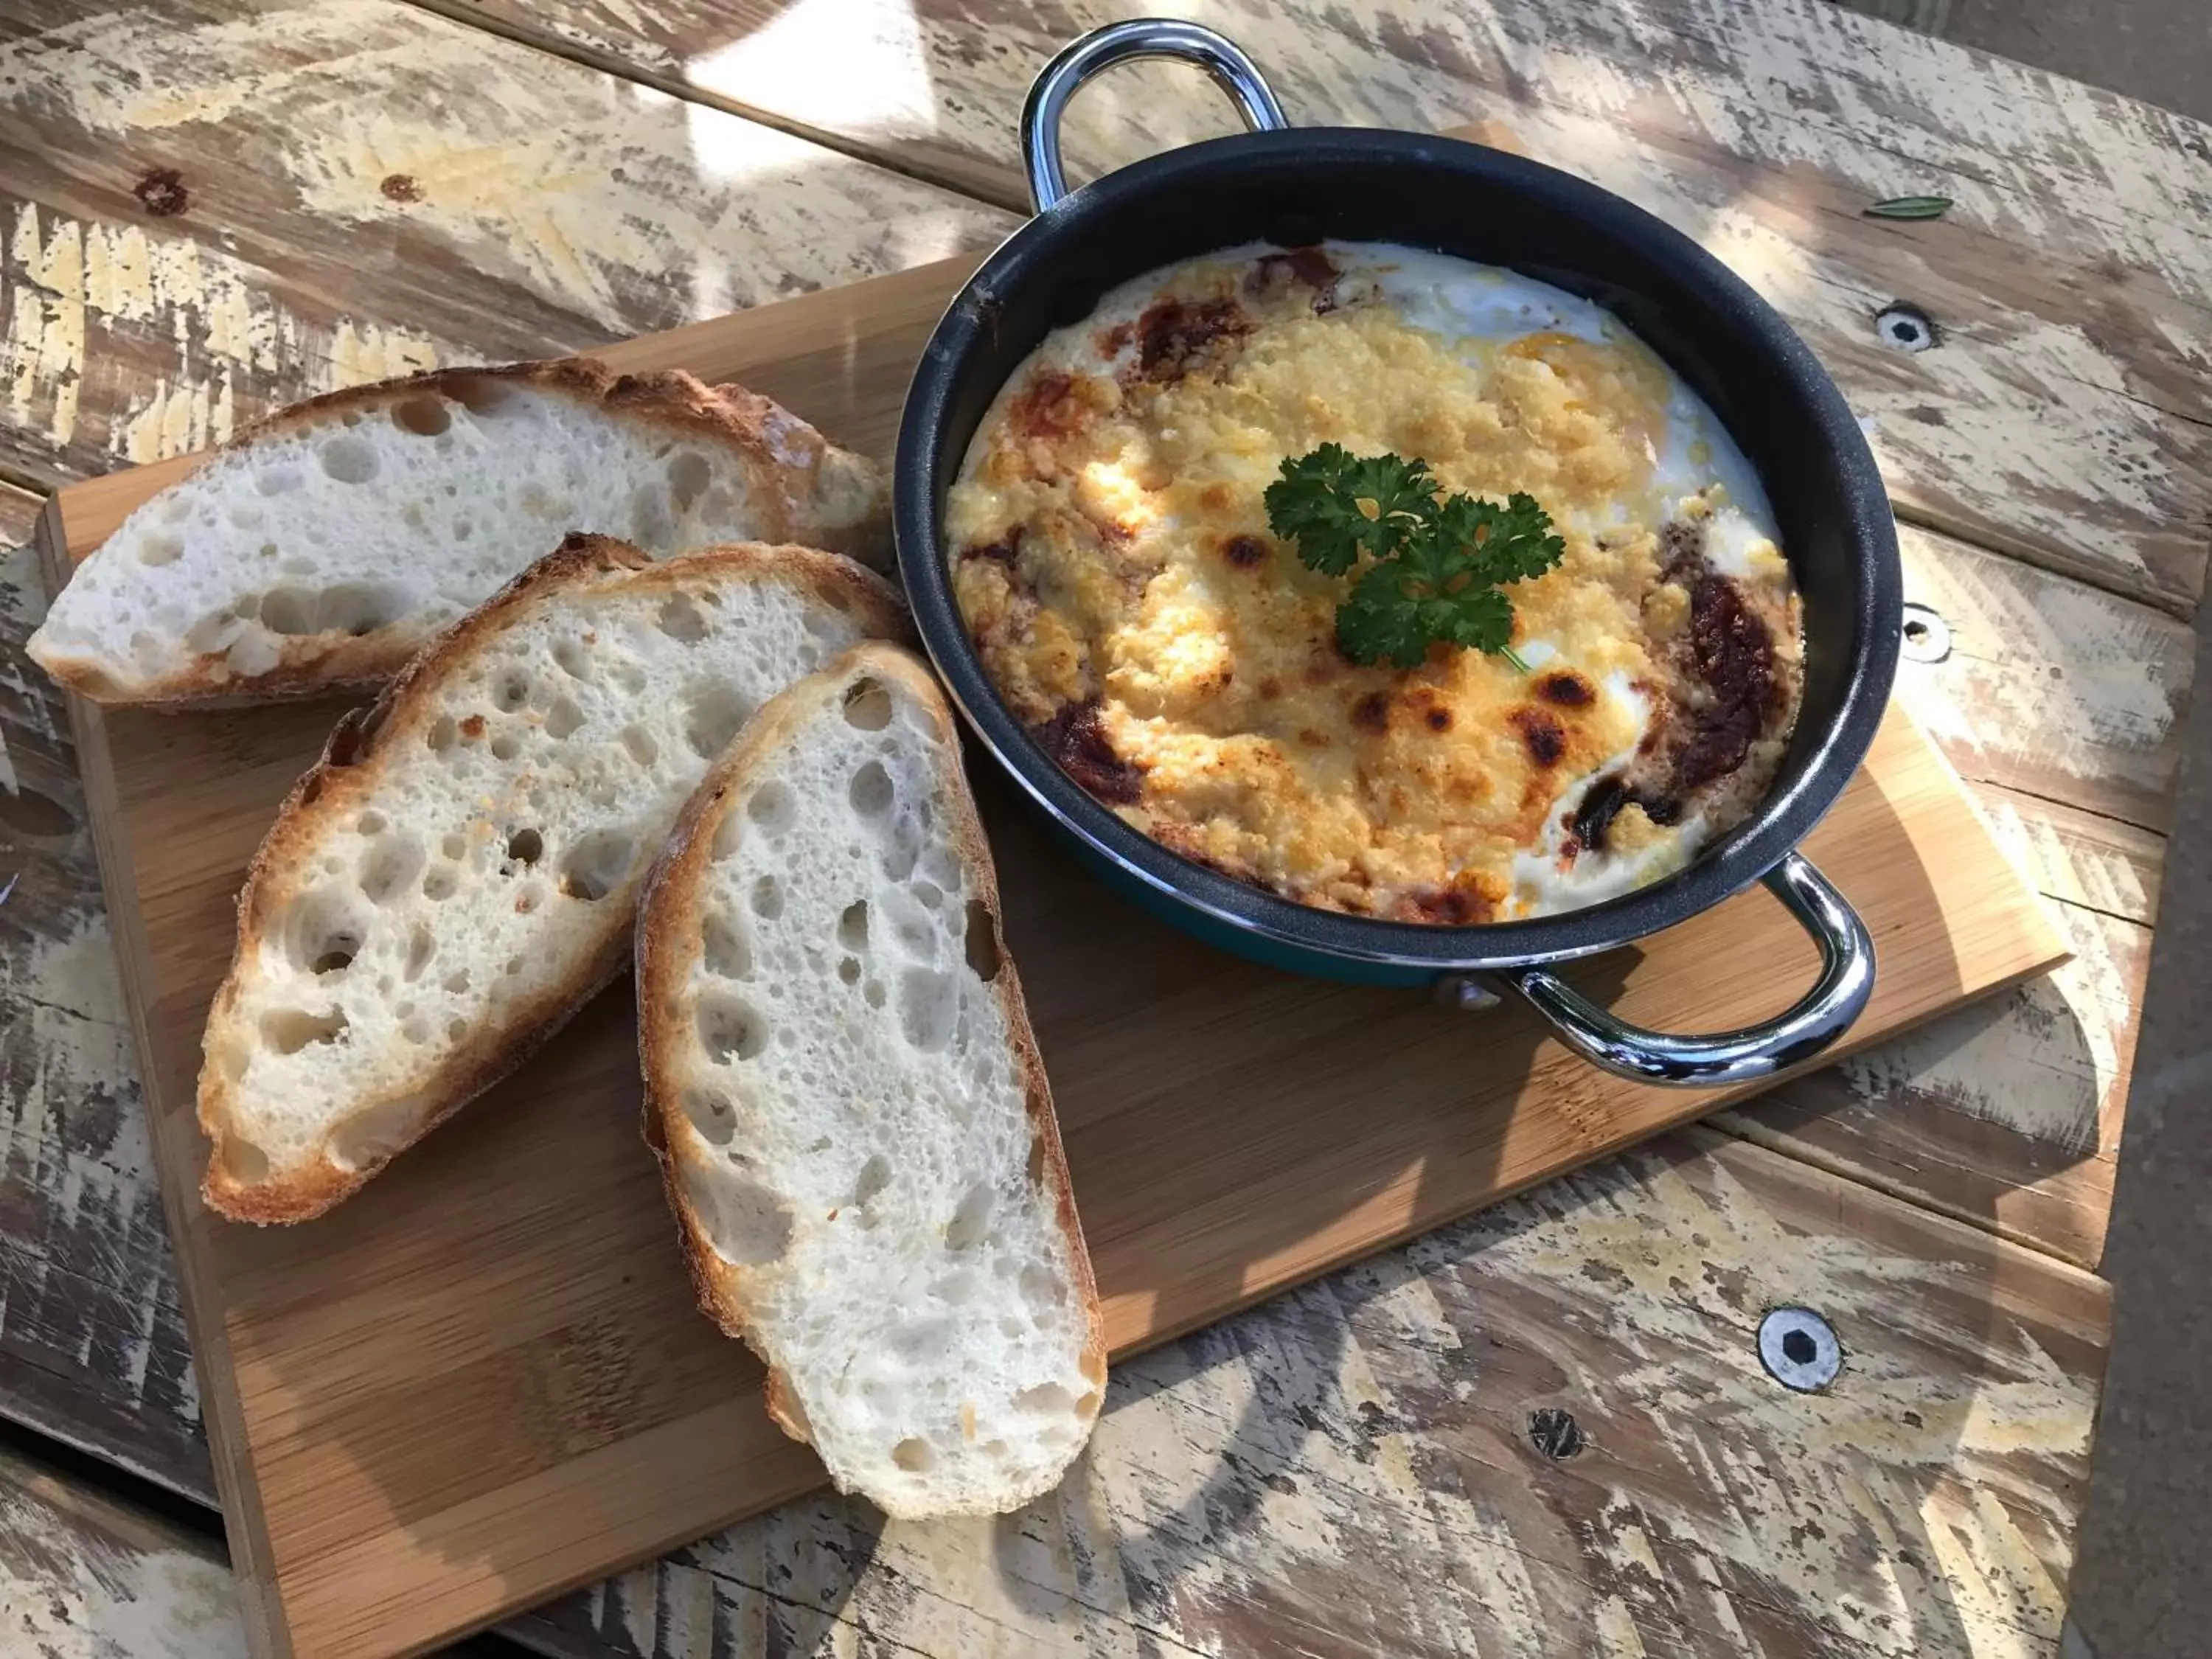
[
  {"x": 1745, "y": 1127},
  {"x": 1988, "y": 538}
]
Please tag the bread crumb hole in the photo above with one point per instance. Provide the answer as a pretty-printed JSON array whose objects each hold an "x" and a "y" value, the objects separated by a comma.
[
  {"x": 729, "y": 1029},
  {"x": 562, "y": 718},
  {"x": 929, "y": 1006},
  {"x": 388, "y": 866},
  {"x": 773, "y": 807},
  {"x": 875, "y": 1176},
  {"x": 439, "y": 883},
  {"x": 244, "y": 1162},
  {"x": 348, "y": 459},
  {"x": 276, "y": 480},
  {"x": 689, "y": 475},
  {"x": 288, "y": 611},
  {"x": 506, "y": 746},
  {"x": 723, "y": 948},
  {"x": 513, "y": 690},
  {"x": 680, "y": 620},
  {"x": 425, "y": 415},
  {"x": 767, "y": 898},
  {"x": 458, "y": 981},
  {"x": 480, "y": 394},
  {"x": 421, "y": 945},
  {"x": 454, "y": 845},
  {"x": 914, "y": 1455},
  {"x": 287, "y": 1030},
  {"x": 928, "y": 892},
  {"x": 870, "y": 791},
  {"x": 441, "y": 735},
  {"x": 369, "y": 824},
  {"x": 715, "y": 715},
  {"x": 971, "y": 1219},
  {"x": 867, "y": 705},
  {"x": 571, "y": 659},
  {"x": 368, "y": 1139},
  {"x": 982, "y": 942},
  {"x": 873, "y": 991},
  {"x": 711, "y": 1115},
  {"x": 598, "y": 863},
  {"x": 1046, "y": 1400},
  {"x": 853, "y": 925},
  {"x": 848, "y": 971},
  {"x": 357, "y": 609},
  {"x": 323, "y": 931},
  {"x": 640, "y": 745},
  {"x": 745, "y": 1224},
  {"x": 524, "y": 846},
  {"x": 157, "y": 549},
  {"x": 1040, "y": 1287}
]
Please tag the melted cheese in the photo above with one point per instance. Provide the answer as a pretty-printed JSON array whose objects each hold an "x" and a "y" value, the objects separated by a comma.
[{"x": 1111, "y": 548}]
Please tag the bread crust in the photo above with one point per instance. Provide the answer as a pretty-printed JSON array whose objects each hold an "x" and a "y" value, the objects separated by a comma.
[
  {"x": 783, "y": 456},
  {"x": 337, "y": 787},
  {"x": 669, "y": 939}
]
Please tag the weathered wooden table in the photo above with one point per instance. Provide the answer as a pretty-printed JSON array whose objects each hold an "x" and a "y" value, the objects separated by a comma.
[{"x": 1544, "y": 1432}]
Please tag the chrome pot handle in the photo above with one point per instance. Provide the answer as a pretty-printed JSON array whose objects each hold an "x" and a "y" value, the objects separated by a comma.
[
  {"x": 1821, "y": 1015},
  {"x": 1117, "y": 43}
]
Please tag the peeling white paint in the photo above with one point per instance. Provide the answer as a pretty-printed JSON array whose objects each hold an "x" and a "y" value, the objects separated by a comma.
[
  {"x": 2045, "y": 1058},
  {"x": 75, "y": 1591}
]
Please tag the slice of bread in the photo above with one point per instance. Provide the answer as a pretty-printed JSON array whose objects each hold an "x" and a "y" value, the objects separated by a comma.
[
  {"x": 328, "y": 545},
  {"x": 849, "y": 1109},
  {"x": 460, "y": 872}
]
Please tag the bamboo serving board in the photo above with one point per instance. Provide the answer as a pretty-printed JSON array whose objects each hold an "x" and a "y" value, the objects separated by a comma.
[{"x": 483, "y": 1380}]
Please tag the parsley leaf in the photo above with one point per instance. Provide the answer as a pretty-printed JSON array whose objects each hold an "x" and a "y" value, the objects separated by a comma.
[
  {"x": 1437, "y": 565},
  {"x": 1318, "y": 500}
]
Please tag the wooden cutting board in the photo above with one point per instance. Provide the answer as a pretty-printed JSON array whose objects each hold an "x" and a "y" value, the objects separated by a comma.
[{"x": 482, "y": 1381}]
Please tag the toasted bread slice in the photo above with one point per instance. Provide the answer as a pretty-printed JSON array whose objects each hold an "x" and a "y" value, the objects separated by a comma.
[
  {"x": 328, "y": 545},
  {"x": 460, "y": 872},
  {"x": 849, "y": 1108}
]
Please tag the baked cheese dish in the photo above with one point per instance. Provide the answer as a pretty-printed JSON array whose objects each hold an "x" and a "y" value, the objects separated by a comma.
[{"x": 1112, "y": 561}]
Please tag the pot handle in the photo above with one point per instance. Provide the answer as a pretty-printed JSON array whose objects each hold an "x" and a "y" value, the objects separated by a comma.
[
  {"x": 1821, "y": 1015},
  {"x": 1117, "y": 43}
]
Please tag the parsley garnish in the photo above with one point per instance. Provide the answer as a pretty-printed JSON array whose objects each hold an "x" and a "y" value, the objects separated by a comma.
[{"x": 1437, "y": 564}]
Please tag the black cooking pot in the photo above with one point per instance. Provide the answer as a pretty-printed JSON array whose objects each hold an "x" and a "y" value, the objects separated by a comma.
[{"x": 1297, "y": 186}]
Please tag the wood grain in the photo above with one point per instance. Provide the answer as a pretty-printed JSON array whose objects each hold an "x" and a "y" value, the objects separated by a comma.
[
  {"x": 1240, "y": 1478},
  {"x": 2064, "y": 417},
  {"x": 2007, "y": 1114},
  {"x": 92, "y": 1340},
  {"x": 507, "y": 1281},
  {"x": 1351, "y": 1470},
  {"x": 224, "y": 310},
  {"x": 85, "y": 1577},
  {"x": 367, "y": 188}
]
